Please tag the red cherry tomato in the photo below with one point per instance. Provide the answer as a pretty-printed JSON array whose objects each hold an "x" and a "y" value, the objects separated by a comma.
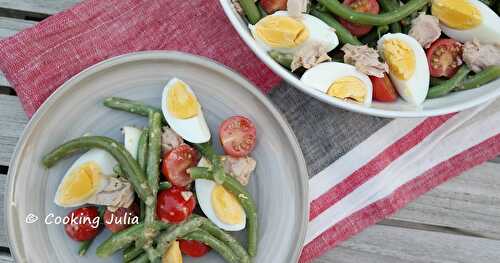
[
  {"x": 271, "y": 6},
  {"x": 237, "y": 135},
  {"x": 383, "y": 90},
  {"x": 361, "y": 6},
  {"x": 121, "y": 218},
  {"x": 176, "y": 162},
  {"x": 443, "y": 56},
  {"x": 193, "y": 248},
  {"x": 83, "y": 223},
  {"x": 175, "y": 204}
]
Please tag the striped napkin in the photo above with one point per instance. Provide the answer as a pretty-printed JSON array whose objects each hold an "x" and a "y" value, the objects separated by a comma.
[{"x": 362, "y": 168}]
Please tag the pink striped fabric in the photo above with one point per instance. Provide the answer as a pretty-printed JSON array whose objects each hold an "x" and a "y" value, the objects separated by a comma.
[
  {"x": 96, "y": 30},
  {"x": 38, "y": 60}
]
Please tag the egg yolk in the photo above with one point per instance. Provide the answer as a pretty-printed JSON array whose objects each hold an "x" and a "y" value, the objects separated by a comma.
[
  {"x": 281, "y": 31},
  {"x": 400, "y": 58},
  {"x": 172, "y": 254},
  {"x": 181, "y": 103},
  {"x": 457, "y": 14},
  {"x": 226, "y": 206},
  {"x": 348, "y": 88},
  {"x": 80, "y": 184}
]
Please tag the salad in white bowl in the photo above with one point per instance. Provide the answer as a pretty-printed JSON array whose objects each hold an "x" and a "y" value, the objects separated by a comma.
[{"x": 386, "y": 58}]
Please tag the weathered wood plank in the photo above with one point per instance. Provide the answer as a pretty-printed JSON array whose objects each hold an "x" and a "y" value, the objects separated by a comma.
[
  {"x": 9, "y": 27},
  {"x": 3, "y": 230},
  {"x": 469, "y": 203},
  {"x": 388, "y": 244},
  {"x": 12, "y": 122},
  {"x": 47, "y": 7}
]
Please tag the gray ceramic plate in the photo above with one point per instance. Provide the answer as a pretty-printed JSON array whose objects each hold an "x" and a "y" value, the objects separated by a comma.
[{"x": 279, "y": 184}]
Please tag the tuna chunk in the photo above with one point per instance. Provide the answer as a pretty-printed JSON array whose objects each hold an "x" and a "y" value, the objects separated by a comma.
[
  {"x": 239, "y": 167},
  {"x": 169, "y": 140},
  {"x": 425, "y": 29},
  {"x": 117, "y": 193},
  {"x": 480, "y": 56},
  {"x": 309, "y": 56},
  {"x": 365, "y": 59}
]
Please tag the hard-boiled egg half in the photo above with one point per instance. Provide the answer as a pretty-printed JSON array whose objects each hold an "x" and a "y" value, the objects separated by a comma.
[
  {"x": 218, "y": 204},
  {"x": 85, "y": 178},
  {"x": 408, "y": 68},
  {"x": 287, "y": 34},
  {"x": 183, "y": 112},
  {"x": 341, "y": 81},
  {"x": 466, "y": 20}
]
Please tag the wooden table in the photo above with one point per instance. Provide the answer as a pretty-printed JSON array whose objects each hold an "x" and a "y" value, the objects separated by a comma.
[{"x": 459, "y": 221}]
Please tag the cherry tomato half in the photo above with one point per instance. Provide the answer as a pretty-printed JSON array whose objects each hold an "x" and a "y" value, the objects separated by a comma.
[
  {"x": 271, "y": 6},
  {"x": 361, "y": 6},
  {"x": 443, "y": 57},
  {"x": 121, "y": 218},
  {"x": 237, "y": 135},
  {"x": 176, "y": 162},
  {"x": 383, "y": 90},
  {"x": 83, "y": 223},
  {"x": 193, "y": 248},
  {"x": 175, "y": 204}
]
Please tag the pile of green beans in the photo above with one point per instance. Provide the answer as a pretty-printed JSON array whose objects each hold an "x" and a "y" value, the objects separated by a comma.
[
  {"x": 393, "y": 16},
  {"x": 448, "y": 86},
  {"x": 389, "y": 6}
]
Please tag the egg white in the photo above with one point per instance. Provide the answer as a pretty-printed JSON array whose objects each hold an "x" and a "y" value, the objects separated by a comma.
[
  {"x": 103, "y": 159},
  {"x": 204, "y": 189},
  {"x": 131, "y": 137},
  {"x": 319, "y": 32},
  {"x": 413, "y": 90},
  {"x": 322, "y": 76},
  {"x": 194, "y": 129},
  {"x": 488, "y": 32}
]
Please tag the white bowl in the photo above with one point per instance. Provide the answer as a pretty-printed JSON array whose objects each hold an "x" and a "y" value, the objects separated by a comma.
[{"x": 454, "y": 102}]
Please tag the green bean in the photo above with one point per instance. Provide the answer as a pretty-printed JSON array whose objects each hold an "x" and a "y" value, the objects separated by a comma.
[
  {"x": 372, "y": 37},
  {"x": 141, "y": 259},
  {"x": 449, "y": 85},
  {"x": 251, "y": 11},
  {"x": 245, "y": 199},
  {"x": 176, "y": 231},
  {"x": 343, "y": 34},
  {"x": 117, "y": 170},
  {"x": 164, "y": 185},
  {"x": 132, "y": 252},
  {"x": 130, "y": 167},
  {"x": 84, "y": 246},
  {"x": 390, "y": 5},
  {"x": 124, "y": 238},
  {"x": 207, "y": 150},
  {"x": 481, "y": 78},
  {"x": 214, "y": 243},
  {"x": 154, "y": 150},
  {"x": 142, "y": 149},
  {"x": 350, "y": 15},
  {"x": 437, "y": 81},
  {"x": 131, "y": 106},
  {"x": 282, "y": 58},
  {"x": 229, "y": 240}
]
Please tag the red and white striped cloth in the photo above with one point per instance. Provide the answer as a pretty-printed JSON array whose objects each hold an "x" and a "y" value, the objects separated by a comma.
[
  {"x": 395, "y": 165},
  {"x": 399, "y": 162}
]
